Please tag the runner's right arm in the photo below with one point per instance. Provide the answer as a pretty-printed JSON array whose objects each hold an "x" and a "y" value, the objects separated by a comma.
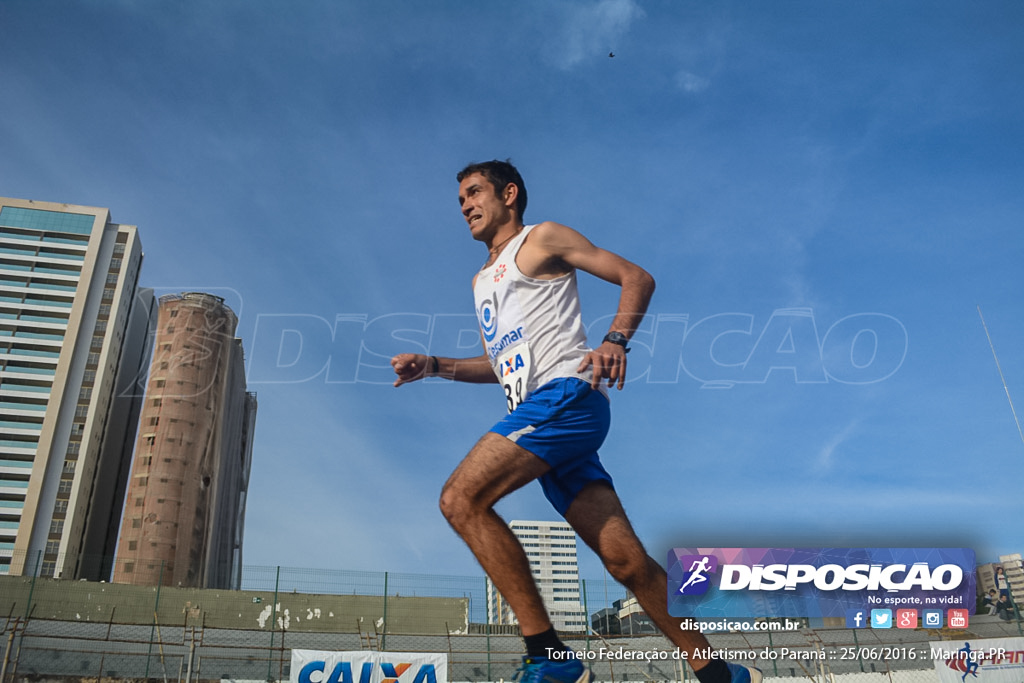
[{"x": 413, "y": 366}]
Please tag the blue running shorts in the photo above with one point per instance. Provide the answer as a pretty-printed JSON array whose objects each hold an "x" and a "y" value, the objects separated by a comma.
[{"x": 563, "y": 423}]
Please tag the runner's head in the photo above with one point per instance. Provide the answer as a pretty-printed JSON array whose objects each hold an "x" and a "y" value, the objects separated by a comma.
[{"x": 500, "y": 174}]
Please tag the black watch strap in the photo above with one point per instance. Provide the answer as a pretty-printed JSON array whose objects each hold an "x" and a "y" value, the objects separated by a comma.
[{"x": 617, "y": 338}]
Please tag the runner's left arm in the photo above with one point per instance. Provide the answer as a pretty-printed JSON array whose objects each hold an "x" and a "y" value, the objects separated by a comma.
[
  {"x": 637, "y": 286},
  {"x": 413, "y": 366}
]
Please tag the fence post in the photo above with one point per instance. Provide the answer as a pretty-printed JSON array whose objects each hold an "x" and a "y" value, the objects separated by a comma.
[
  {"x": 7, "y": 652},
  {"x": 191, "y": 656},
  {"x": 156, "y": 608},
  {"x": 487, "y": 629},
  {"x": 384, "y": 636},
  {"x": 273, "y": 620},
  {"x": 32, "y": 586},
  {"x": 857, "y": 645},
  {"x": 586, "y": 617}
]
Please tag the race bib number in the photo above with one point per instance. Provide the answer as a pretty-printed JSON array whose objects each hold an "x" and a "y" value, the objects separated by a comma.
[{"x": 513, "y": 371}]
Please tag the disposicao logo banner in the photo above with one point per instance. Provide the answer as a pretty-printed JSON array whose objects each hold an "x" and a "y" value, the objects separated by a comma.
[{"x": 816, "y": 582}]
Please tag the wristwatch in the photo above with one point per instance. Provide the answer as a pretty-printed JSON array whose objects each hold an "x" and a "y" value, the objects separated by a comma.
[{"x": 617, "y": 338}]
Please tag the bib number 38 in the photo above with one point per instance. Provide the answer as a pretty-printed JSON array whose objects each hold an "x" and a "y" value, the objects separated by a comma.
[{"x": 514, "y": 374}]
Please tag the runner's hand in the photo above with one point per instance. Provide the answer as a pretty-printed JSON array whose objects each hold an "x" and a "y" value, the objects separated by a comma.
[
  {"x": 409, "y": 367},
  {"x": 609, "y": 362}
]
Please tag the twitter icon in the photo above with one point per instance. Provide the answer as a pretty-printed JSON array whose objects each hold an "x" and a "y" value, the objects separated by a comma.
[{"x": 881, "y": 618}]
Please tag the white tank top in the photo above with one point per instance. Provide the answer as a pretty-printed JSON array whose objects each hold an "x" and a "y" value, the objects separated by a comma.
[{"x": 532, "y": 329}]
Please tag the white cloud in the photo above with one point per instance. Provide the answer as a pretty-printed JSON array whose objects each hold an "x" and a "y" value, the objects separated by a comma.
[
  {"x": 826, "y": 455},
  {"x": 691, "y": 82},
  {"x": 594, "y": 30}
]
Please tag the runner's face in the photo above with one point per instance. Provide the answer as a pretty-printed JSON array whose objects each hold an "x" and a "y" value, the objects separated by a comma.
[{"x": 482, "y": 208}]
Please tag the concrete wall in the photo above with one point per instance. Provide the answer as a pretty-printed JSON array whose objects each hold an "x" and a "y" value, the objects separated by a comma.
[{"x": 300, "y": 612}]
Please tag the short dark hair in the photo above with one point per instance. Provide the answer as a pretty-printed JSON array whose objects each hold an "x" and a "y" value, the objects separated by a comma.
[{"x": 500, "y": 174}]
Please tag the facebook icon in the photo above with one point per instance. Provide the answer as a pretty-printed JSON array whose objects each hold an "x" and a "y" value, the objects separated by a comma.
[{"x": 856, "y": 618}]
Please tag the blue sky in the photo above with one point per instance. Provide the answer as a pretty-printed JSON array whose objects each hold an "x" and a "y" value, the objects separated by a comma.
[{"x": 825, "y": 192}]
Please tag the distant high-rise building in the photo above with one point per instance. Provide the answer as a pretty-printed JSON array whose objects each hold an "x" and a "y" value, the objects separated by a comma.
[
  {"x": 185, "y": 508},
  {"x": 551, "y": 549},
  {"x": 624, "y": 617},
  {"x": 632, "y": 618},
  {"x": 74, "y": 329}
]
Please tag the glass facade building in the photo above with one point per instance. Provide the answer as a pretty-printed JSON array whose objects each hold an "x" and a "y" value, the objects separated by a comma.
[{"x": 74, "y": 329}]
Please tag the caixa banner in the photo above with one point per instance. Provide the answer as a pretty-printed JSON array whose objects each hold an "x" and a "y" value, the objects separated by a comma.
[
  {"x": 314, "y": 666},
  {"x": 817, "y": 582}
]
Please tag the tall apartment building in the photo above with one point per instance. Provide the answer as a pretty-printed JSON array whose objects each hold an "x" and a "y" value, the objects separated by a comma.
[
  {"x": 551, "y": 549},
  {"x": 74, "y": 329},
  {"x": 184, "y": 512}
]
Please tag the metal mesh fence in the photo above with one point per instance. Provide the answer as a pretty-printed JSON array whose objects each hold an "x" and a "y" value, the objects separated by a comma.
[{"x": 77, "y": 629}]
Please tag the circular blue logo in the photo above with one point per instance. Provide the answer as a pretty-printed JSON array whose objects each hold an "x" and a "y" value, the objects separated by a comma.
[{"x": 488, "y": 316}]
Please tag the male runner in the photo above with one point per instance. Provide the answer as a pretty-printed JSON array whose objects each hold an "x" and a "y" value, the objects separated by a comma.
[{"x": 535, "y": 346}]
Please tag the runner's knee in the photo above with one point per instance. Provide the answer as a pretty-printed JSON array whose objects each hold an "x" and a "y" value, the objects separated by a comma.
[
  {"x": 456, "y": 505},
  {"x": 449, "y": 504},
  {"x": 627, "y": 565}
]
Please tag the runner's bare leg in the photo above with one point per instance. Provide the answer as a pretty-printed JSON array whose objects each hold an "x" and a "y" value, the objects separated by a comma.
[
  {"x": 598, "y": 517},
  {"x": 494, "y": 468}
]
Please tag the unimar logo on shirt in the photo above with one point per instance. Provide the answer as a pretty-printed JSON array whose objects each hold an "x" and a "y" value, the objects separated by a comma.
[
  {"x": 813, "y": 582},
  {"x": 488, "y": 317}
]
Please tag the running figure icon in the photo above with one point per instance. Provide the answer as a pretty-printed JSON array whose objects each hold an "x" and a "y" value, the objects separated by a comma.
[{"x": 697, "y": 570}]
